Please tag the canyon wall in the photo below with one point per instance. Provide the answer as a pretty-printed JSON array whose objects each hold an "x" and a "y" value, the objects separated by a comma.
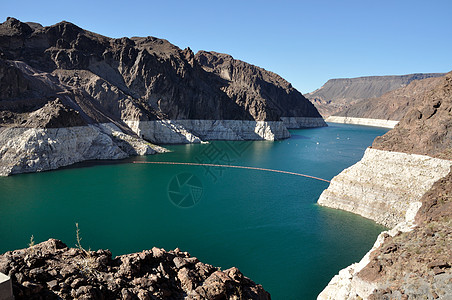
[
  {"x": 362, "y": 121},
  {"x": 384, "y": 184},
  {"x": 403, "y": 182},
  {"x": 339, "y": 94},
  {"x": 60, "y": 83}
]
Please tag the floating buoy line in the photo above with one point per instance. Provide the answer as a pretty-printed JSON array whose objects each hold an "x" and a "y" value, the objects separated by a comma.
[{"x": 228, "y": 166}]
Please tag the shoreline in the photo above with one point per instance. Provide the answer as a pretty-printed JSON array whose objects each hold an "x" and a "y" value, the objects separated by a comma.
[
  {"x": 362, "y": 121},
  {"x": 387, "y": 187}
]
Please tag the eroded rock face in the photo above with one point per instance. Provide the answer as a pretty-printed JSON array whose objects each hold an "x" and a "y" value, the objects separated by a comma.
[
  {"x": 24, "y": 150},
  {"x": 363, "y": 121},
  {"x": 51, "y": 270},
  {"x": 195, "y": 131}
]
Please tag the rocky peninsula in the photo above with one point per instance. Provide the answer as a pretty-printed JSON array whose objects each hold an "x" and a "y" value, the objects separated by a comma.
[
  {"x": 404, "y": 182},
  {"x": 69, "y": 95}
]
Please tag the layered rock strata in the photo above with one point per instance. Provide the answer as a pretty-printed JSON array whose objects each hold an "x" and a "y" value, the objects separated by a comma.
[
  {"x": 411, "y": 261},
  {"x": 51, "y": 270},
  {"x": 302, "y": 122},
  {"x": 26, "y": 150}
]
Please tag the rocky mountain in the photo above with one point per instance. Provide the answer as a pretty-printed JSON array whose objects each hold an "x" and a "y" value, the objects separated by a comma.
[
  {"x": 404, "y": 182},
  {"x": 51, "y": 270},
  {"x": 254, "y": 88},
  {"x": 427, "y": 126},
  {"x": 339, "y": 94},
  {"x": 113, "y": 97},
  {"x": 392, "y": 105}
]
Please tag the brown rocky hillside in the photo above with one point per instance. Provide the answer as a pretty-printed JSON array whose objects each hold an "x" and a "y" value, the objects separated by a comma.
[{"x": 339, "y": 94}]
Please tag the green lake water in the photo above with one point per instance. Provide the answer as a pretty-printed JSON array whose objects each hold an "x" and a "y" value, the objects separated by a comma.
[{"x": 266, "y": 224}]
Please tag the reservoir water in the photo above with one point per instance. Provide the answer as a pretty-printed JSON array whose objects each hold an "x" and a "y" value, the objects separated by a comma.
[{"x": 266, "y": 224}]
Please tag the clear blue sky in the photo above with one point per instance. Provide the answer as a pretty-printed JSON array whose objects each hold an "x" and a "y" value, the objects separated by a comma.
[{"x": 306, "y": 42}]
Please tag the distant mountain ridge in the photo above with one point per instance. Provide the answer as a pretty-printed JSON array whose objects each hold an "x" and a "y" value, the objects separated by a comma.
[
  {"x": 338, "y": 94},
  {"x": 392, "y": 105}
]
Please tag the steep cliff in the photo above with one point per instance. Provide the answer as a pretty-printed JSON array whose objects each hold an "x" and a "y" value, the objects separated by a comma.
[
  {"x": 149, "y": 90},
  {"x": 264, "y": 94},
  {"x": 404, "y": 182},
  {"x": 339, "y": 94}
]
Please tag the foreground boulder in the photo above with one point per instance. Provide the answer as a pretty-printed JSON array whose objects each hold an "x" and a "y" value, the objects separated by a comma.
[{"x": 51, "y": 270}]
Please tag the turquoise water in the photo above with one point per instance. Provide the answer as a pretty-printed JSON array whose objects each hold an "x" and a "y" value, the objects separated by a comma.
[{"x": 267, "y": 224}]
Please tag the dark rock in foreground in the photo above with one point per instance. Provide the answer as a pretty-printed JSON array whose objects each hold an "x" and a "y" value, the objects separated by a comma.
[{"x": 51, "y": 270}]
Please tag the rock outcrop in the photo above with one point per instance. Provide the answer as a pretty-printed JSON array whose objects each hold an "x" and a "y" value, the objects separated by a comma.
[
  {"x": 51, "y": 270},
  {"x": 394, "y": 184},
  {"x": 339, "y": 94},
  {"x": 62, "y": 76}
]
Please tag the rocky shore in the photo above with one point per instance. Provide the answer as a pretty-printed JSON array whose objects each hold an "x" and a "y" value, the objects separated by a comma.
[
  {"x": 413, "y": 260},
  {"x": 51, "y": 270},
  {"x": 404, "y": 182}
]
